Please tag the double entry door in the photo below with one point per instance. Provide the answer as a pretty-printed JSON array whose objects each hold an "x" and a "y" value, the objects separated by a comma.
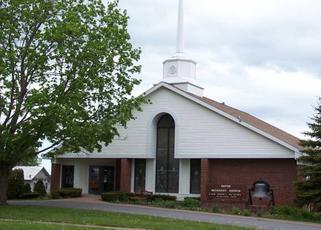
[{"x": 101, "y": 179}]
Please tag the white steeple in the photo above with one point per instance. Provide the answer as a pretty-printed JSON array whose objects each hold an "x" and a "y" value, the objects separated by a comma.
[
  {"x": 180, "y": 70},
  {"x": 180, "y": 29}
]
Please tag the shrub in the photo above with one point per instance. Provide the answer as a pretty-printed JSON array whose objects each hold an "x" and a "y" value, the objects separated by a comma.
[
  {"x": 115, "y": 196},
  {"x": 167, "y": 203},
  {"x": 216, "y": 208},
  {"x": 285, "y": 210},
  {"x": 247, "y": 212},
  {"x": 295, "y": 213},
  {"x": 191, "y": 202},
  {"x": 26, "y": 188},
  {"x": 55, "y": 195},
  {"x": 236, "y": 211},
  {"x": 310, "y": 215},
  {"x": 40, "y": 188},
  {"x": 30, "y": 195},
  {"x": 66, "y": 193},
  {"x": 259, "y": 213},
  {"x": 164, "y": 197},
  {"x": 70, "y": 192},
  {"x": 15, "y": 184}
]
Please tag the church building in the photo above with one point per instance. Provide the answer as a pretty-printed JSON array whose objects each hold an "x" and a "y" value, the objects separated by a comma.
[{"x": 187, "y": 145}]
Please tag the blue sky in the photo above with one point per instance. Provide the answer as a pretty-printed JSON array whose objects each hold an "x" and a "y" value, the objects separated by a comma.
[{"x": 262, "y": 57}]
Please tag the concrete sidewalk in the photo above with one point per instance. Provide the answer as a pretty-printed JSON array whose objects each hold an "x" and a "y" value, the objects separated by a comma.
[{"x": 93, "y": 203}]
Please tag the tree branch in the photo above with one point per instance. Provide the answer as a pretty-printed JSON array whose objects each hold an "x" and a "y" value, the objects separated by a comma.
[{"x": 50, "y": 147}]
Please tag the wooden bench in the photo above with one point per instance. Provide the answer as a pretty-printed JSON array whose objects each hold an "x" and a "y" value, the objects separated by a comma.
[{"x": 142, "y": 196}]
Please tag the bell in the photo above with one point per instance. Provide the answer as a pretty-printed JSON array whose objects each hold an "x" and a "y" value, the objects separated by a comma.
[{"x": 260, "y": 190}]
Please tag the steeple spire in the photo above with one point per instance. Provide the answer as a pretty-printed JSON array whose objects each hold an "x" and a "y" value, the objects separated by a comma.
[
  {"x": 180, "y": 70},
  {"x": 180, "y": 29}
]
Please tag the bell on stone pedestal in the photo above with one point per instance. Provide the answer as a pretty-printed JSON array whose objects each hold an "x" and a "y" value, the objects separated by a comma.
[{"x": 261, "y": 190}]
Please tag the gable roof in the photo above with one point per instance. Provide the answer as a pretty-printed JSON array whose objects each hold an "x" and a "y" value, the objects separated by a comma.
[
  {"x": 29, "y": 172},
  {"x": 254, "y": 121},
  {"x": 243, "y": 118}
]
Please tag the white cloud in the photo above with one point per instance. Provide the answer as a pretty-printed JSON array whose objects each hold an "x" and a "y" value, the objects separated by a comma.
[{"x": 260, "y": 56}]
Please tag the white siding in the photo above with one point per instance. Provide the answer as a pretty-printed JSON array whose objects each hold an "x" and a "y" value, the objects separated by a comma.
[{"x": 200, "y": 133}]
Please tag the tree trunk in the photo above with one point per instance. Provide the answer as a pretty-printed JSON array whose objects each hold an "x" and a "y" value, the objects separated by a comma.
[{"x": 4, "y": 174}]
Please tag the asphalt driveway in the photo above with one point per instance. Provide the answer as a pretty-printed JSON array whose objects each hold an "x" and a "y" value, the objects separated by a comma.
[{"x": 93, "y": 203}]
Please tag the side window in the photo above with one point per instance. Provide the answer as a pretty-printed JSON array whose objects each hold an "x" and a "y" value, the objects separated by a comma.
[
  {"x": 195, "y": 176},
  {"x": 140, "y": 175},
  {"x": 67, "y": 176}
]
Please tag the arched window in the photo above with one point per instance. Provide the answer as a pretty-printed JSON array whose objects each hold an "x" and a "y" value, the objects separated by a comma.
[{"x": 167, "y": 168}]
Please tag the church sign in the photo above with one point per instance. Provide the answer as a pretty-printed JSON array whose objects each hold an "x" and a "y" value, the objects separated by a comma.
[{"x": 224, "y": 192}]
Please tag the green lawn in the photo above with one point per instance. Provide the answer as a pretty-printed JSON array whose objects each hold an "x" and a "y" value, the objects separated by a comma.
[
  {"x": 25, "y": 225},
  {"x": 86, "y": 217}
]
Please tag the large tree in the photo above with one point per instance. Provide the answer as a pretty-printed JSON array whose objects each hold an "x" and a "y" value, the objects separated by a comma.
[
  {"x": 32, "y": 161},
  {"x": 66, "y": 76},
  {"x": 309, "y": 188}
]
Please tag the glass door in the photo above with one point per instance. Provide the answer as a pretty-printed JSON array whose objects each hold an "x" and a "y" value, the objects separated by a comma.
[
  {"x": 101, "y": 179},
  {"x": 108, "y": 179},
  {"x": 94, "y": 180},
  {"x": 140, "y": 175}
]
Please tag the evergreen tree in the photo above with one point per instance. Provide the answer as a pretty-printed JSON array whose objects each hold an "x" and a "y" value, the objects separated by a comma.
[
  {"x": 16, "y": 184},
  {"x": 40, "y": 188},
  {"x": 26, "y": 188},
  {"x": 309, "y": 189}
]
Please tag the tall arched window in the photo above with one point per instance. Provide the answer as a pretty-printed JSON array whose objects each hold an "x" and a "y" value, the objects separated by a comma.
[{"x": 167, "y": 168}]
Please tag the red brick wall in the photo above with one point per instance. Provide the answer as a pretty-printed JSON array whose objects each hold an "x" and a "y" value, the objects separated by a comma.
[
  {"x": 117, "y": 183},
  {"x": 125, "y": 175},
  {"x": 55, "y": 177},
  {"x": 204, "y": 178},
  {"x": 242, "y": 173}
]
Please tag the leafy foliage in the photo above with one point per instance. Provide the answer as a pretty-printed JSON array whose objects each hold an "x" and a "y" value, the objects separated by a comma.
[
  {"x": 192, "y": 202},
  {"x": 30, "y": 161},
  {"x": 16, "y": 184},
  {"x": 67, "y": 193},
  {"x": 30, "y": 195},
  {"x": 115, "y": 196},
  {"x": 26, "y": 188},
  {"x": 66, "y": 76},
  {"x": 309, "y": 189},
  {"x": 40, "y": 188},
  {"x": 287, "y": 212}
]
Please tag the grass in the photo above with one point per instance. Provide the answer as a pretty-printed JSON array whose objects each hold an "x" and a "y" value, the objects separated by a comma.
[
  {"x": 87, "y": 217},
  {"x": 278, "y": 212},
  {"x": 22, "y": 225}
]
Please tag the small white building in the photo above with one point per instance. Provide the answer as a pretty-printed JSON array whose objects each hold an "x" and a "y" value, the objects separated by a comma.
[{"x": 34, "y": 173}]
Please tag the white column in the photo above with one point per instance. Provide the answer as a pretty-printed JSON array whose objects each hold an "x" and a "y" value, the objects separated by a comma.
[
  {"x": 184, "y": 177},
  {"x": 150, "y": 175},
  {"x": 132, "y": 182}
]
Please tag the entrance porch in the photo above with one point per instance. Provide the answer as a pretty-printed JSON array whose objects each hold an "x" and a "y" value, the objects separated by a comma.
[{"x": 93, "y": 176}]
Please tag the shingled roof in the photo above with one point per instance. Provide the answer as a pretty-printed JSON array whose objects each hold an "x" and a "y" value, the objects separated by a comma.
[{"x": 253, "y": 121}]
